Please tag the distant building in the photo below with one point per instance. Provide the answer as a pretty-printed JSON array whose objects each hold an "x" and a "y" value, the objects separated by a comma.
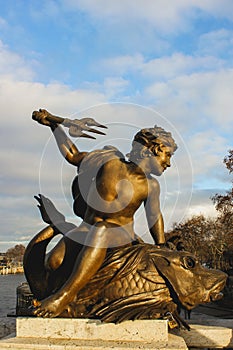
[{"x": 3, "y": 259}]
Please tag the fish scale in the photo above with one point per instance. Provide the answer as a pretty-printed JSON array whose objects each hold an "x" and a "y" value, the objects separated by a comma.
[{"x": 133, "y": 283}]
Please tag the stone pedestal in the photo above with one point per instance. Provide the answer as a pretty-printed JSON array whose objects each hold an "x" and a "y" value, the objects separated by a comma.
[
  {"x": 85, "y": 334},
  {"x": 215, "y": 333},
  {"x": 85, "y": 329}
]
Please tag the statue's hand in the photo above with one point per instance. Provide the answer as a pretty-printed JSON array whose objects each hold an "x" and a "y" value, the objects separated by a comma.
[
  {"x": 49, "y": 213},
  {"x": 40, "y": 117}
]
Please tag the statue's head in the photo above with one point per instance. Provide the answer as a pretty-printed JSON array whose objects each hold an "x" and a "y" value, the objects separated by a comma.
[{"x": 147, "y": 141}]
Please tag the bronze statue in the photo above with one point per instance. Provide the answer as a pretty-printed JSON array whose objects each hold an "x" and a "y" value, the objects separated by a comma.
[{"x": 102, "y": 268}]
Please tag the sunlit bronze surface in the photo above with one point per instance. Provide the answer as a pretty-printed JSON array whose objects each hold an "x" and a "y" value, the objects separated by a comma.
[{"x": 101, "y": 268}]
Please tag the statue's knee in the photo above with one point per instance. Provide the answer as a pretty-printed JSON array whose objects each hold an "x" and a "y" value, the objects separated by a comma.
[
  {"x": 104, "y": 226},
  {"x": 53, "y": 262},
  {"x": 99, "y": 234},
  {"x": 55, "y": 257},
  {"x": 101, "y": 225},
  {"x": 100, "y": 228}
]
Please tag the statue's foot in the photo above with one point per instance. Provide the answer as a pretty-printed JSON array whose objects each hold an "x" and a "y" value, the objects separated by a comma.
[
  {"x": 49, "y": 213},
  {"x": 49, "y": 307}
]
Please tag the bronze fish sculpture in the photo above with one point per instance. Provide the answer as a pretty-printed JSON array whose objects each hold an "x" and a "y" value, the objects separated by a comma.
[
  {"x": 147, "y": 283},
  {"x": 140, "y": 281}
]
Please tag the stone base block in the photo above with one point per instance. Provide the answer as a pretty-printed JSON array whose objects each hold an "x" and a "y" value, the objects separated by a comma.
[
  {"x": 202, "y": 336},
  {"x": 85, "y": 334},
  {"x": 86, "y": 329},
  {"x": 16, "y": 343}
]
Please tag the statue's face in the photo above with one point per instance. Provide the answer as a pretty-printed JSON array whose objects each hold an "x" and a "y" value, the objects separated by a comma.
[{"x": 160, "y": 159}]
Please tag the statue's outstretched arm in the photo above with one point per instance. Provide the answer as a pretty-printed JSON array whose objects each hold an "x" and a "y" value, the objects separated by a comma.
[
  {"x": 154, "y": 215},
  {"x": 67, "y": 148},
  {"x": 76, "y": 127}
]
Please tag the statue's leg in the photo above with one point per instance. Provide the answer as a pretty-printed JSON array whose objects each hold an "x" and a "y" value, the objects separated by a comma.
[
  {"x": 55, "y": 256},
  {"x": 87, "y": 263}
]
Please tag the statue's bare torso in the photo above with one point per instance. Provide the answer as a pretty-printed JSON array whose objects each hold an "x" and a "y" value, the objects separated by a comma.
[{"x": 114, "y": 196}]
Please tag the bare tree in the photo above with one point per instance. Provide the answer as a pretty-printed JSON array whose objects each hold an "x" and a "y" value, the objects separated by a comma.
[
  {"x": 224, "y": 205},
  {"x": 16, "y": 253},
  {"x": 205, "y": 238}
]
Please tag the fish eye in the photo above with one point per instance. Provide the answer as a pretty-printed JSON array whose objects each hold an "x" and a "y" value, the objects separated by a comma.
[{"x": 188, "y": 262}]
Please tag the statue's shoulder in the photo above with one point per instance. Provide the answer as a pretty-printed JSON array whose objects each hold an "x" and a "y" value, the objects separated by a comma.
[
  {"x": 153, "y": 186},
  {"x": 99, "y": 157}
]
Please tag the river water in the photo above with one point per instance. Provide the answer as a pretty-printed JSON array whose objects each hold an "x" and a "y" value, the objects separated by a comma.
[{"x": 8, "y": 285}]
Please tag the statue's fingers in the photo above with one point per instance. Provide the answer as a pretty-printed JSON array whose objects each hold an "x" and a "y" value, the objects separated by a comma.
[{"x": 34, "y": 115}]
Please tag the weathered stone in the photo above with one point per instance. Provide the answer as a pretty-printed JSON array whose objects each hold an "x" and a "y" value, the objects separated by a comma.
[
  {"x": 85, "y": 334},
  {"x": 201, "y": 336},
  {"x": 64, "y": 328},
  {"x": 174, "y": 343}
]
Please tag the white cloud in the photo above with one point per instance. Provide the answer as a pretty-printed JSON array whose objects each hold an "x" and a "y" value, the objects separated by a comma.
[
  {"x": 220, "y": 105},
  {"x": 209, "y": 146},
  {"x": 13, "y": 65},
  {"x": 201, "y": 98},
  {"x": 189, "y": 98},
  {"x": 22, "y": 142},
  {"x": 113, "y": 86},
  {"x": 178, "y": 78},
  {"x": 122, "y": 64},
  {"x": 168, "y": 16},
  {"x": 200, "y": 106},
  {"x": 24, "y": 97},
  {"x": 158, "y": 14},
  {"x": 217, "y": 43},
  {"x": 179, "y": 64},
  {"x": 216, "y": 8},
  {"x": 201, "y": 203}
]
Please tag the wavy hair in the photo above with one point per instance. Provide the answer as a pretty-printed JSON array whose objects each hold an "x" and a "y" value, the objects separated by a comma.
[{"x": 150, "y": 138}]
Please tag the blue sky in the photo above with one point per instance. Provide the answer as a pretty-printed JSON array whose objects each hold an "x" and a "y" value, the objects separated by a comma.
[{"x": 129, "y": 64}]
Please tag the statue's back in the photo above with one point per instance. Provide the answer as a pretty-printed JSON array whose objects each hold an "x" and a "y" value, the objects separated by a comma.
[{"x": 87, "y": 172}]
